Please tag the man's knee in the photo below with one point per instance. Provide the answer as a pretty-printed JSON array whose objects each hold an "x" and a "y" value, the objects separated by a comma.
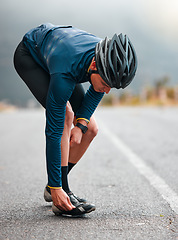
[
  {"x": 92, "y": 130},
  {"x": 69, "y": 116}
]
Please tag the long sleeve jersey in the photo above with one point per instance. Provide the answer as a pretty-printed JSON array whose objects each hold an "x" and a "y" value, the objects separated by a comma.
[{"x": 65, "y": 52}]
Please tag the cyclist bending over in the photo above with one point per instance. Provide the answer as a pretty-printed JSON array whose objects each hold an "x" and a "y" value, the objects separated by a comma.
[{"x": 54, "y": 61}]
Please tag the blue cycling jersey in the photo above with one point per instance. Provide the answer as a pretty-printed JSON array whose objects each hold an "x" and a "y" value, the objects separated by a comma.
[{"x": 65, "y": 53}]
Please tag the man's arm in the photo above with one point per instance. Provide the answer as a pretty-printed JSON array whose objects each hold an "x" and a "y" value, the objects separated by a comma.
[
  {"x": 59, "y": 92},
  {"x": 89, "y": 104}
]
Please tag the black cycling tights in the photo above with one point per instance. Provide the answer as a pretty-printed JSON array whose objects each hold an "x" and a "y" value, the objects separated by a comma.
[{"x": 37, "y": 79}]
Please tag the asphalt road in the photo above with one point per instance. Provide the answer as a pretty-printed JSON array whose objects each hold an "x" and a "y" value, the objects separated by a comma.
[{"x": 129, "y": 173}]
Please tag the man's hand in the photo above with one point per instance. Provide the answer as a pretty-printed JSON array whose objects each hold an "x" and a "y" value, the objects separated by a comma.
[
  {"x": 61, "y": 199},
  {"x": 75, "y": 136}
]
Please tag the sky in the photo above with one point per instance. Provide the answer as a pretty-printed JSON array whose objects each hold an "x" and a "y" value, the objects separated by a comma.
[{"x": 151, "y": 25}]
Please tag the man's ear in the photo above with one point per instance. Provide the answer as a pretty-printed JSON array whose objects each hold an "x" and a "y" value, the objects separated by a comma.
[{"x": 93, "y": 65}]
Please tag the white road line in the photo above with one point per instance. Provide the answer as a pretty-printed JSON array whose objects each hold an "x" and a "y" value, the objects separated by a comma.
[{"x": 157, "y": 182}]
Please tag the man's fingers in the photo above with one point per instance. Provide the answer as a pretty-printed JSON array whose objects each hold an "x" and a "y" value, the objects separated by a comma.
[
  {"x": 66, "y": 206},
  {"x": 61, "y": 200},
  {"x": 70, "y": 204},
  {"x": 75, "y": 141},
  {"x": 63, "y": 207}
]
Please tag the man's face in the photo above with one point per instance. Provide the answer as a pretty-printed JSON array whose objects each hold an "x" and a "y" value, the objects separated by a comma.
[{"x": 99, "y": 84}]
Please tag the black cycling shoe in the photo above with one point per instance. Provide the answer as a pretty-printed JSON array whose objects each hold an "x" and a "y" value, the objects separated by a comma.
[
  {"x": 47, "y": 194},
  {"x": 78, "y": 211},
  {"x": 48, "y": 198},
  {"x": 81, "y": 200}
]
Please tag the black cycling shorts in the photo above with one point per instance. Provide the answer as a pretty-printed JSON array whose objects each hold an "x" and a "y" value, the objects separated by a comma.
[{"x": 37, "y": 79}]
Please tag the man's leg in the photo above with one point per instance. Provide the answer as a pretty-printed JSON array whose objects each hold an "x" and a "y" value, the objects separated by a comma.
[
  {"x": 65, "y": 141},
  {"x": 34, "y": 76},
  {"x": 74, "y": 154},
  {"x": 77, "y": 151}
]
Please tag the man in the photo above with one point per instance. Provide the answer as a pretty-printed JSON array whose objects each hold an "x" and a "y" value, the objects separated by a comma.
[{"x": 53, "y": 61}]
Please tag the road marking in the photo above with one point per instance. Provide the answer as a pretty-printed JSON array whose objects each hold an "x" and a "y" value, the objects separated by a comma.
[{"x": 157, "y": 182}]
